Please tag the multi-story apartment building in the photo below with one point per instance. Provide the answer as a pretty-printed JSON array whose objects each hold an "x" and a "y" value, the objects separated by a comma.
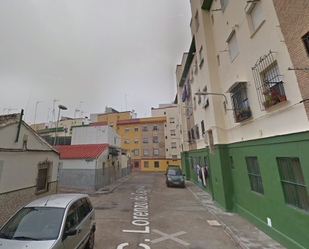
[
  {"x": 63, "y": 130},
  {"x": 245, "y": 119},
  {"x": 171, "y": 129},
  {"x": 150, "y": 141}
]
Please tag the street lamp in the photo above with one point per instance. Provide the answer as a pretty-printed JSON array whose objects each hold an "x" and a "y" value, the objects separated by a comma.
[
  {"x": 62, "y": 107},
  {"x": 206, "y": 93}
]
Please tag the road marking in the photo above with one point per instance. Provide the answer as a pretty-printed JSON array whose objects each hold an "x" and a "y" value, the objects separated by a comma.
[{"x": 171, "y": 236}]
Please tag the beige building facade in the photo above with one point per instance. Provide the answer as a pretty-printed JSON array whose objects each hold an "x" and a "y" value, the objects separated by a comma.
[{"x": 28, "y": 165}]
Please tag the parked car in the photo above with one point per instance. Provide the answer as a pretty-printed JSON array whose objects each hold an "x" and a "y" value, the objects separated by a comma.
[
  {"x": 63, "y": 221},
  {"x": 174, "y": 176}
]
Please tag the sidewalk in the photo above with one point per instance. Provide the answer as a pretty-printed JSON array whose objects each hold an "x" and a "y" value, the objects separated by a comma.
[{"x": 246, "y": 235}]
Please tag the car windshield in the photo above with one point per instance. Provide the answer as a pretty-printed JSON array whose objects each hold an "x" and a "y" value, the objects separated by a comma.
[
  {"x": 34, "y": 223},
  {"x": 174, "y": 172}
]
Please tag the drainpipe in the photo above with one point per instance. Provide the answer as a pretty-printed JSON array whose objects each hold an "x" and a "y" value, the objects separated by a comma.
[
  {"x": 96, "y": 174},
  {"x": 19, "y": 125}
]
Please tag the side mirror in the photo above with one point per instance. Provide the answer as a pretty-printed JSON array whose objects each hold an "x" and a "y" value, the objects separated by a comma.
[{"x": 71, "y": 232}]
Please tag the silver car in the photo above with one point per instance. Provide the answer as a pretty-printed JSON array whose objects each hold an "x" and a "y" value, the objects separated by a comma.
[{"x": 63, "y": 221}]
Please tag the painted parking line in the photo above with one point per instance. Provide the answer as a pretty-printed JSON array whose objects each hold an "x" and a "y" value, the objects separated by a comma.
[{"x": 171, "y": 236}]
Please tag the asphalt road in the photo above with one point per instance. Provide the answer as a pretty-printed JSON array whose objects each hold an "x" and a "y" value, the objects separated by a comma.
[{"x": 144, "y": 213}]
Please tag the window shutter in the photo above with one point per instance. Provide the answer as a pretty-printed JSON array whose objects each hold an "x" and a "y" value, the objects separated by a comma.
[
  {"x": 233, "y": 47},
  {"x": 257, "y": 16}
]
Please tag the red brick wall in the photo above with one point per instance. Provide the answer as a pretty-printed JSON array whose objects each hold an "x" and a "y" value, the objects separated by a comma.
[{"x": 293, "y": 17}]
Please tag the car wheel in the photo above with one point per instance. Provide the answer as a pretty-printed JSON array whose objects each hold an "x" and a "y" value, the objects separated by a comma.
[
  {"x": 90, "y": 242},
  {"x": 167, "y": 185}
]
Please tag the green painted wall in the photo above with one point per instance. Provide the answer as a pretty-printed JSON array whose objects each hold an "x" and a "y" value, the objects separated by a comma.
[{"x": 231, "y": 188}]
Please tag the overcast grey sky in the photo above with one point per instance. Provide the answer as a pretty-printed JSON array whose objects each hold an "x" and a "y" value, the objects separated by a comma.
[{"x": 90, "y": 54}]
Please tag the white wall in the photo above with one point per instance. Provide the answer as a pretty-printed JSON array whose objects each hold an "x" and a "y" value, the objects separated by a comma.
[
  {"x": 96, "y": 135},
  {"x": 20, "y": 169}
]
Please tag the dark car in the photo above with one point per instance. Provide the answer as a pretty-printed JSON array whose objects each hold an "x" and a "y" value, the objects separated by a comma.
[{"x": 174, "y": 176}]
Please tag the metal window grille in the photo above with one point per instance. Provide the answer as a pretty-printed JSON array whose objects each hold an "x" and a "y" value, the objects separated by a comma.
[
  {"x": 240, "y": 103},
  {"x": 155, "y": 139},
  {"x": 155, "y": 127},
  {"x": 223, "y": 4},
  {"x": 145, "y": 140},
  {"x": 293, "y": 183},
  {"x": 146, "y": 165},
  {"x": 206, "y": 160},
  {"x": 268, "y": 82},
  {"x": 232, "y": 162},
  {"x": 145, "y": 128},
  {"x": 156, "y": 152},
  {"x": 146, "y": 153},
  {"x": 255, "y": 175}
]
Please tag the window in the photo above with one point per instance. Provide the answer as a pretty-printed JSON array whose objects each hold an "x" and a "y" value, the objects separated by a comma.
[
  {"x": 155, "y": 128},
  {"x": 193, "y": 134},
  {"x": 206, "y": 99},
  {"x": 136, "y": 128},
  {"x": 203, "y": 127},
  {"x": 197, "y": 21},
  {"x": 206, "y": 161},
  {"x": 197, "y": 132},
  {"x": 84, "y": 208},
  {"x": 145, "y": 128},
  {"x": 145, "y": 139},
  {"x": 233, "y": 45},
  {"x": 192, "y": 163},
  {"x": 43, "y": 176},
  {"x": 127, "y": 140},
  {"x": 255, "y": 175},
  {"x": 146, "y": 164},
  {"x": 136, "y": 164},
  {"x": 306, "y": 42},
  {"x": 136, "y": 152},
  {"x": 201, "y": 57},
  {"x": 174, "y": 157},
  {"x": 293, "y": 183},
  {"x": 156, "y": 151},
  {"x": 127, "y": 129},
  {"x": 223, "y": 4},
  {"x": 136, "y": 140},
  {"x": 156, "y": 164},
  {"x": 72, "y": 218},
  {"x": 155, "y": 139},
  {"x": 256, "y": 15},
  {"x": 173, "y": 133},
  {"x": 240, "y": 102},
  {"x": 189, "y": 136},
  {"x": 111, "y": 124},
  {"x": 103, "y": 168},
  {"x": 268, "y": 82},
  {"x": 146, "y": 152},
  {"x": 172, "y": 120},
  {"x": 173, "y": 144}
]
